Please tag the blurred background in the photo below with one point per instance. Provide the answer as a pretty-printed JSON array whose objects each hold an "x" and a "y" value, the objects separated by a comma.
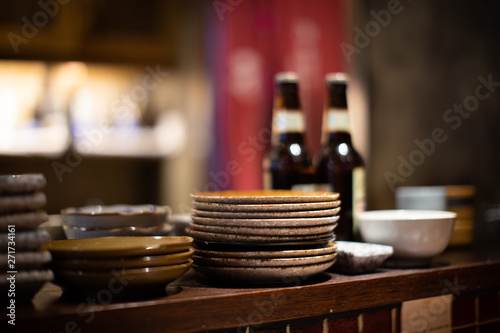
[{"x": 133, "y": 102}]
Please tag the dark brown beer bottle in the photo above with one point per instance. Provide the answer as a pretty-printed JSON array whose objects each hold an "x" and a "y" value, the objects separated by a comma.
[
  {"x": 338, "y": 164},
  {"x": 288, "y": 165}
]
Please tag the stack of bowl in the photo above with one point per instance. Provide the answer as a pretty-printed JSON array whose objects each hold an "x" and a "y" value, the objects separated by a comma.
[
  {"x": 460, "y": 200},
  {"x": 118, "y": 267},
  {"x": 116, "y": 220},
  {"x": 22, "y": 260},
  {"x": 263, "y": 236}
]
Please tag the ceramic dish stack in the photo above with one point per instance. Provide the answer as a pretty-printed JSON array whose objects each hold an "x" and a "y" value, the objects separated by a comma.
[
  {"x": 116, "y": 220},
  {"x": 263, "y": 236},
  {"x": 119, "y": 267},
  {"x": 21, "y": 258}
]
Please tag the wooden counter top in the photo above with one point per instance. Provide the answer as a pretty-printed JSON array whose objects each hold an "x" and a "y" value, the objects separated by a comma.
[{"x": 194, "y": 305}]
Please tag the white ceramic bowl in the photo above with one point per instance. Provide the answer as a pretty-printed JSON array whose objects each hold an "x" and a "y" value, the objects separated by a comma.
[
  {"x": 115, "y": 216},
  {"x": 414, "y": 234}
]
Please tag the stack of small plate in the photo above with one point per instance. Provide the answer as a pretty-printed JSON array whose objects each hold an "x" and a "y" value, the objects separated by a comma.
[
  {"x": 118, "y": 267},
  {"x": 116, "y": 220},
  {"x": 21, "y": 212},
  {"x": 263, "y": 236}
]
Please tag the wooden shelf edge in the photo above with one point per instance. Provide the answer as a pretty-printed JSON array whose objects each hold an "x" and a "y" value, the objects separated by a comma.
[{"x": 200, "y": 307}]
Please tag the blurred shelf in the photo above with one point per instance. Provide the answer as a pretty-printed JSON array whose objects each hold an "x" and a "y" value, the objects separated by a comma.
[
  {"x": 154, "y": 142},
  {"x": 40, "y": 141},
  {"x": 102, "y": 31},
  {"x": 133, "y": 142}
]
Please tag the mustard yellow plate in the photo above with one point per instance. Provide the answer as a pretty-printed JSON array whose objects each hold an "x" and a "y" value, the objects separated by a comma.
[
  {"x": 118, "y": 283},
  {"x": 122, "y": 246},
  {"x": 123, "y": 262}
]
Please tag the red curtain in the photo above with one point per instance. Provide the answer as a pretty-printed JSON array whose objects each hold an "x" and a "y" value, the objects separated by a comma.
[{"x": 248, "y": 42}]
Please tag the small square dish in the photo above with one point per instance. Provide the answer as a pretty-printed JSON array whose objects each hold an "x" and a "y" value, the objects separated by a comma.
[{"x": 360, "y": 258}]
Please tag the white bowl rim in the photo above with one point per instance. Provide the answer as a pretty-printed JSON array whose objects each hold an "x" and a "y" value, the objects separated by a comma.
[
  {"x": 405, "y": 215},
  {"x": 119, "y": 209}
]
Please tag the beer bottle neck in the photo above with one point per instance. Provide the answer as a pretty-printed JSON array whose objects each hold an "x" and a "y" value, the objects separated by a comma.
[
  {"x": 336, "y": 138},
  {"x": 289, "y": 138},
  {"x": 287, "y": 96},
  {"x": 288, "y": 118}
]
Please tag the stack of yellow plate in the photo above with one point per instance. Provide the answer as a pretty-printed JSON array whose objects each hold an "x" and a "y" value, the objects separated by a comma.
[
  {"x": 116, "y": 267},
  {"x": 263, "y": 236}
]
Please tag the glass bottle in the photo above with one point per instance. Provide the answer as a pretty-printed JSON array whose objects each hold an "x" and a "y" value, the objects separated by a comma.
[
  {"x": 338, "y": 164},
  {"x": 288, "y": 164}
]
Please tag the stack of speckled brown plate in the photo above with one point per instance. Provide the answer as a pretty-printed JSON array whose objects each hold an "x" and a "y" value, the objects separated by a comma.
[
  {"x": 22, "y": 261},
  {"x": 263, "y": 236}
]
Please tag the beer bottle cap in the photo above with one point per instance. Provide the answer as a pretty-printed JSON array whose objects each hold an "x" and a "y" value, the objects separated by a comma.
[
  {"x": 290, "y": 77},
  {"x": 337, "y": 78}
]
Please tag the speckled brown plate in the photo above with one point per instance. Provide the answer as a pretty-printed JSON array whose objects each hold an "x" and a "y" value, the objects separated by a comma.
[
  {"x": 22, "y": 202},
  {"x": 262, "y": 196},
  {"x": 23, "y": 220},
  {"x": 22, "y": 183},
  {"x": 27, "y": 284},
  {"x": 267, "y": 215},
  {"x": 265, "y": 231},
  {"x": 263, "y": 223},
  {"x": 263, "y": 246},
  {"x": 256, "y": 262},
  {"x": 285, "y": 274},
  {"x": 329, "y": 248},
  {"x": 25, "y": 259},
  {"x": 24, "y": 240},
  {"x": 229, "y": 238},
  {"x": 285, "y": 207}
]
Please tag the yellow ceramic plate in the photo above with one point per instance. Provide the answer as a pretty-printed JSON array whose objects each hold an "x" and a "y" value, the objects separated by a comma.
[
  {"x": 125, "y": 246},
  {"x": 124, "y": 262},
  {"x": 121, "y": 281},
  {"x": 259, "y": 196}
]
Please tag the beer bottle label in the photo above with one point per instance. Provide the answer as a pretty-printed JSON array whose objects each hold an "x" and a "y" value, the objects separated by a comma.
[
  {"x": 336, "y": 120},
  {"x": 358, "y": 196},
  {"x": 266, "y": 174},
  {"x": 288, "y": 121}
]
